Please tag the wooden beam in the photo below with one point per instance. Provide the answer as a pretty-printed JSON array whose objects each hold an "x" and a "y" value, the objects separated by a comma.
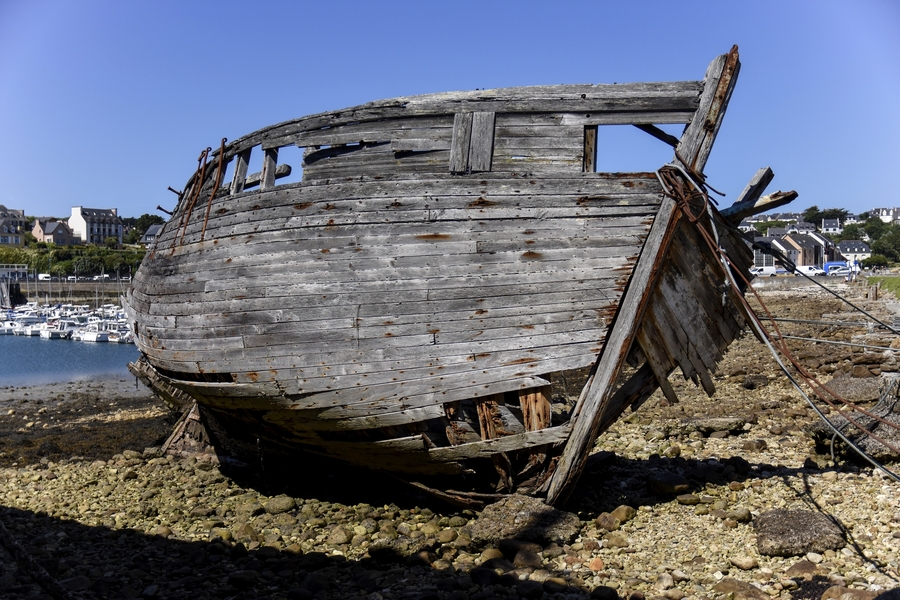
[
  {"x": 658, "y": 134},
  {"x": 739, "y": 211},
  {"x": 481, "y": 147},
  {"x": 590, "y": 149},
  {"x": 459, "y": 146},
  {"x": 698, "y": 137},
  {"x": 240, "y": 171},
  {"x": 270, "y": 161}
]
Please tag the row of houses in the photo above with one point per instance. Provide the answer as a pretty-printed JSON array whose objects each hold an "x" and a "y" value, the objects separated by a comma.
[
  {"x": 84, "y": 226},
  {"x": 810, "y": 248}
]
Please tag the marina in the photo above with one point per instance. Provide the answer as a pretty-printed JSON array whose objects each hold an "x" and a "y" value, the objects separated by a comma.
[{"x": 35, "y": 361}]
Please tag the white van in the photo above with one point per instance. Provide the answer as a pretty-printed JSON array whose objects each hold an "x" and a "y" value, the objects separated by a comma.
[
  {"x": 43, "y": 276},
  {"x": 763, "y": 271},
  {"x": 810, "y": 270}
]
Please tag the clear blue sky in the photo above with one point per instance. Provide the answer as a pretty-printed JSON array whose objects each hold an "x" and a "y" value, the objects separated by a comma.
[{"x": 107, "y": 103}]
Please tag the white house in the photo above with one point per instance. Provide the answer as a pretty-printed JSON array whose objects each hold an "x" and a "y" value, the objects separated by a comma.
[
  {"x": 854, "y": 250},
  {"x": 832, "y": 226},
  {"x": 95, "y": 225}
]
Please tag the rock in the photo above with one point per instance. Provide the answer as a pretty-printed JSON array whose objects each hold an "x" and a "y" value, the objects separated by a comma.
[
  {"x": 844, "y": 593},
  {"x": 688, "y": 499},
  {"x": 741, "y": 590},
  {"x": 280, "y": 504},
  {"x": 805, "y": 569},
  {"x": 525, "y": 518},
  {"x": 340, "y": 535},
  {"x": 530, "y": 590},
  {"x": 596, "y": 564},
  {"x": 664, "y": 582},
  {"x": 741, "y": 515},
  {"x": 75, "y": 584},
  {"x": 623, "y": 513},
  {"x": 754, "y": 445},
  {"x": 751, "y": 382},
  {"x": 527, "y": 559},
  {"x": 860, "y": 371},
  {"x": 711, "y": 424},
  {"x": 616, "y": 540},
  {"x": 603, "y": 592},
  {"x": 482, "y": 576},
  {"x": 745, "y": 563},
  {"x": 607, "y": 521},
  {"x": 784, "y": 532},
  {"x": 855, "y": 390},
  {"x": 509, "y": 548},
  {"x": 665, "y": 484},
  {"x": 446, "y": 536}
]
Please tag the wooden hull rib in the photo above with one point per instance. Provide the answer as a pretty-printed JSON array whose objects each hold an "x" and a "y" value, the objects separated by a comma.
[{"x": 445, "y": 266}]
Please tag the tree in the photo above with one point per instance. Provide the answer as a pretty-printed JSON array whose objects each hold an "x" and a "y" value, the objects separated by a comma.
[
  {"x": 888, "y": 244},
  {"x": 852, "y": 232},
  {"x": 875, "y": 228},
  {"x": 814, "y": 215},
  {"x": 876, "y": 260},
  {"x": 112, "y": 243},
  {"x": 141, "y": 225}
]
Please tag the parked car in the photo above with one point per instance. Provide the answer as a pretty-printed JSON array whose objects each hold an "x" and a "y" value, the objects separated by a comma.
[
  {"x": 809, "y": 270},
  {"x": 839, "y": 271},
  {"x": 72, "y": 278},
  {"x": 763, "y": 271}
]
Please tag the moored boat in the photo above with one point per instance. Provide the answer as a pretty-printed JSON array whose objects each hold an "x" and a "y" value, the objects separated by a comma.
[{"x": 445, "y": 261}]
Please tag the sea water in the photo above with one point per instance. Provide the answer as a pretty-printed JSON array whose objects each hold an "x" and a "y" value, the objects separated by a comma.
[{"x": 35, "y": 360}]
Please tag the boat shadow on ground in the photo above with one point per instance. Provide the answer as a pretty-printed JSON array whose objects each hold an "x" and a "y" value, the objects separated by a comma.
[{"x": 111, "y": 562}]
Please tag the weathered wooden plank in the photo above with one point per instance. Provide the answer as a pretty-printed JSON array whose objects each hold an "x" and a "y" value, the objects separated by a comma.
[
  {"x": 487, "y": 448},
  {"x": 649, "y": 340},
  {"x": 270, "y": 161},
  {"x": 698, "y": 137},
  {"x": 328, "y": 389},
  {"x": 242, "y": 162},
  {"x": 481, "y": 147},
  {"x": 553, "y": 145},
  {"x": 420, "y": 144},
  {"x": 255, "y": 179},
  {"x": 588, "y": 413},
  {"x": 589, "y": 153},
  {"x": 462, "y": 137},
  {"x": 626, "y": 117}
]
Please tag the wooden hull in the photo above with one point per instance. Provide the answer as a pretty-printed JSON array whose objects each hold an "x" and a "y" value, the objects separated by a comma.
[{"x": 401, "y": 314}]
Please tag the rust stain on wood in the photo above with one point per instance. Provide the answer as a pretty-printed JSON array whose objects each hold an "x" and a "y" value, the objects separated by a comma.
[
  {"x": 434, "y": 236},
  {"x": 481, "y": 203},
  {"x": 530, "y": 255}
]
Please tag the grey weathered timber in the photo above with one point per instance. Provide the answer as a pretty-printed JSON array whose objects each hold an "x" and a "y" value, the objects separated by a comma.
[
  {"x": 588, "y": 412},
  {"x": 481, "y": 146},
  {"x": 406, "y": 304},
  {"x": 460, "y": 145}
]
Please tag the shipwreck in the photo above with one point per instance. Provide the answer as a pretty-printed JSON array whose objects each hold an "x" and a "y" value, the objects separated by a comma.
[{"x": 407, "y": 304}]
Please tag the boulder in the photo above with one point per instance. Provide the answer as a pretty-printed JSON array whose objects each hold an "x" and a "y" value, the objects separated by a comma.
[
  {"x": 784, "y": 532},
  {"x": 523, "y": 518}
]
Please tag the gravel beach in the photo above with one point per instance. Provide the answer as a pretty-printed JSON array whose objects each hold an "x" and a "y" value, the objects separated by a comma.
[{"x": 669, "y": 506}]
